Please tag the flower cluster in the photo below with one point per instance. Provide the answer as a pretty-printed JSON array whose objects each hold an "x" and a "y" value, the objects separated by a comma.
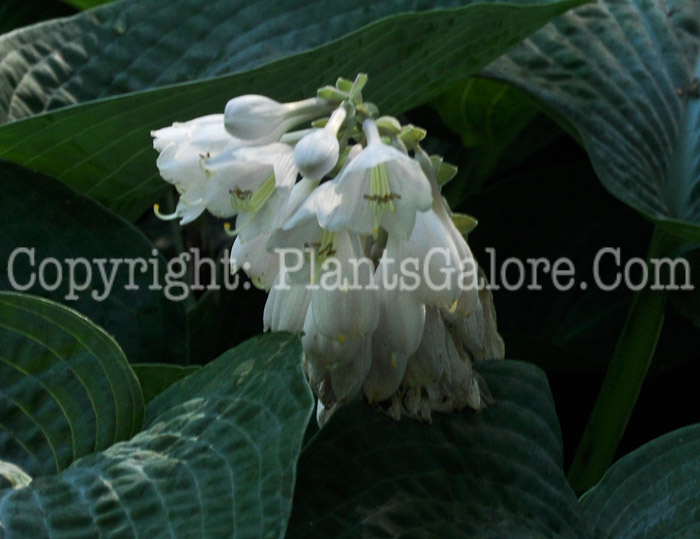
[{"x": 353, "y": 194}]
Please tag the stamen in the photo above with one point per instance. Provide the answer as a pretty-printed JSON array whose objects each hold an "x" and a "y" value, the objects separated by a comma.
[
  {"x": 162, "y": 216},
  {"x": 380, "y": 197},
  {"x": 227, "y": 229}
]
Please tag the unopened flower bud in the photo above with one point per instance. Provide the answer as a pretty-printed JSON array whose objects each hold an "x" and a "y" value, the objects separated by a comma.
[
  {"x": 256, "y": 117},
  {"x": 317, "y": 153}
]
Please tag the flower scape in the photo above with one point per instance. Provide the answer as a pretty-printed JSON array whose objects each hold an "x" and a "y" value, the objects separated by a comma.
[{"x": 335, "y": 206}]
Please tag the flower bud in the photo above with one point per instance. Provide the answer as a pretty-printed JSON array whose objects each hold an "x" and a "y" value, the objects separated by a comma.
[
  {"x": 256, "y": 117},
  {"x": 317, "y": 153}
]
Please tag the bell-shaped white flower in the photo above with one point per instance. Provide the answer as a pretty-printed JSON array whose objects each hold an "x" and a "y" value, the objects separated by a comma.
[
  {"x": 317, "y": 153},
  {"x": 381, "y": 187},
  {"x": 206, "y": 133},
  {"x": 183, "y": 149},
  {"x": 242, "y": 182},
  {"x": 340, "y": 385},
  {"x": 250, "y": 249},
  {"x": 345, "y": 304},
  {"x": 468, "y": 268},
  {"x": 261, "y": 119},
  {"x": 415, "y": 272}
]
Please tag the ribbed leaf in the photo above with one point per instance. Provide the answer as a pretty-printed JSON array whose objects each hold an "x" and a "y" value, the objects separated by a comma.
[
  {"x": 410, "y": 49},
  {"x": 495, "y": 474},
  {"x": 654, "y": 492},
  {"x": 66, "y": 389},
  {"x": 217, "y": 459},
  {"x": 625, "y": 73},
  {"x": 46, "y": 218}
]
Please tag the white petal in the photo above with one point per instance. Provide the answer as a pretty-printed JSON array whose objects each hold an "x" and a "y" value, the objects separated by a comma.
[
  {"x": 329, "y": 352},
  {"x": 426, "y": 366},
  {"x": 262, "y": 221},
  {"x": 286, "y": 309},
  {"x": 347, "y": 380},
  {"x": 180, "y": 164},
  {"x": 386, "y": 372},
  {"x": 436, "y": 260},
  {"x": 407, "y": 184},
  {"x": 402, "y": 320},
  {"x": 319, "y": 204},
  {"x": 230, "y": 178},
  {"x": 187, "y": 212},
  {"x": 352, "y": 311},
  {"x": 251, "y": 256},
  {"x": 204, "y": 132}
]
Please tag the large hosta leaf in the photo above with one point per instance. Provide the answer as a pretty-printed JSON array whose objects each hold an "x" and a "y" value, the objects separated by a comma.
[
  {"x": 654, "y": 492},
  {"x": 217, "y": 459},
  {"x": 51, "y": 222},
  {"x": 495, "y": 474},
  {"x": 66, "y": 389},
  {"x": 625, "y": 73},
  {"x": 410, "y": 49}
]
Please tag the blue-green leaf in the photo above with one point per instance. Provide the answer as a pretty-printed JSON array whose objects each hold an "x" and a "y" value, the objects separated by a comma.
[
  {"x": 654, "y": 492},
  {"x": 625, "y": 74},
  {"x": 66, "y": 389},
  {"x": 217, "y": 459},
  {"x": 494, "y": 474}
]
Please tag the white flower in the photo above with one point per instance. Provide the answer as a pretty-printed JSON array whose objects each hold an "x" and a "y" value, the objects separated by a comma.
[
  {"x": 383, "y": 286},
  {"x": 246, "y": 181},
  {"x": 380, "y": 187},
  {"x": 468, "y": 268},
  {"x": 183, "y": 148},
  {"x": 345, "y": 303},
  {"x": 251, "y": 253},
  {"x": 317, "y": 153},
  {"x": 261, "y": 119},
  {"x": 344, "y": 307},
  {"x": 432, "y": 257}
]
